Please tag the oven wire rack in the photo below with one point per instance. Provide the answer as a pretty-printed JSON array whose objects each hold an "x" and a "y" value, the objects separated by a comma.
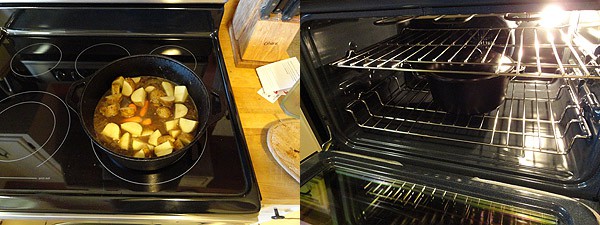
[
  {"x": 534, "y": 52},
  {"x": 530, "y": 118},
  {"x": 420, "y": 204}
]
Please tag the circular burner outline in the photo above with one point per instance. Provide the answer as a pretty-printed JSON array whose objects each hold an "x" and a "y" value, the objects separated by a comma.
[
  {"x": 93, "y": 46},
  {"x": 148, "y": 184},
  {"x": 35, "y": 75},
  {"x": 68, "y": 114},
  {"x": 49, "y": 136},
  {"x": 177, "y": 46}
]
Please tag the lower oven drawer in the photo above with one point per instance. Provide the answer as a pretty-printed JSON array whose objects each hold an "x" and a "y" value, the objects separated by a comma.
[{"x": 350, "y": 189}]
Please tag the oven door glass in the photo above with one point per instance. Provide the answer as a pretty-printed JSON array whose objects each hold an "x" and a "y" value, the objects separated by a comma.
[{"x": 349, "y": 189}]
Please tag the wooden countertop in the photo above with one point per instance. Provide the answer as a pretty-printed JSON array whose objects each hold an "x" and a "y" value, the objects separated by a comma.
[{"x": 257, "y": 115}]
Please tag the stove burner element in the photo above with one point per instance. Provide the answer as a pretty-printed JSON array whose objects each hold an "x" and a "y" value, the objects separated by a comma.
[
  {"x": 175, "y": 52},
  {"x": 26, "y": 56},
  {"x": 49, "y": 136},
  {"x": 96, "y": 56},
  {"x": 58, "y": 115},
  {"x": 152, "y": 178}
]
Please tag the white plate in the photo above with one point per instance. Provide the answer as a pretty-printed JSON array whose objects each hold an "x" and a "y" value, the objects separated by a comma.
[{"x": 293, "y": 135}]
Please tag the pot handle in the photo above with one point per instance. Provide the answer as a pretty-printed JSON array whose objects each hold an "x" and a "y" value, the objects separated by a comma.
[{"x": 74, "y": 94}]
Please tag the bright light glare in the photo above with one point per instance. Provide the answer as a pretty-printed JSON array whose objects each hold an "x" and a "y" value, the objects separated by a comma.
[
  {"x": 594, "y": 32},
  {"x": 42, "y": 49},
  {"x": 553, "y": 16},
  {"x": 171, "y": 51}
]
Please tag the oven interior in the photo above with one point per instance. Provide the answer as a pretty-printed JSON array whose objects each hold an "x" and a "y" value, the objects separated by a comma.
[{"x": 368, "y": 82}]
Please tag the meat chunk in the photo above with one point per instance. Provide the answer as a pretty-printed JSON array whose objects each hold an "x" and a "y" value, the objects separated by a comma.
[
  {"x": 114, "y": 99},
  {"x": 178, "y": 145},
  {"x": 185, "y": 138},
  {"x": 165, "y": 138},
  {"x": 155, "y": 96},
  {"x": 163, "y": 112},
  {"x": 127, "y": 111},
  {"x": 110, "y": 110}
]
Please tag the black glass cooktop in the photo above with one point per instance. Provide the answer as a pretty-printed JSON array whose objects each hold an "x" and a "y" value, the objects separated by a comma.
[{"x": 49, "y": 164}]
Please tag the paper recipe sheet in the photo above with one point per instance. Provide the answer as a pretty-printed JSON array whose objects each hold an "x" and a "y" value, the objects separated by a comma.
[{"x": 278, "y": 77}]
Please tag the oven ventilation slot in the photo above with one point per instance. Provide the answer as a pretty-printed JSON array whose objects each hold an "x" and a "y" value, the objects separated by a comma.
[
  {"x": 535, "y": 52},
  {"x": 536, "y": 116},
  {"x": 409, "y": 203}
]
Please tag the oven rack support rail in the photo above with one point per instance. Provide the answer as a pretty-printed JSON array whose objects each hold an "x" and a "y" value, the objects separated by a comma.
[
  {"x": 534, "y": 52},
  {"x": 533, "y": 117}
]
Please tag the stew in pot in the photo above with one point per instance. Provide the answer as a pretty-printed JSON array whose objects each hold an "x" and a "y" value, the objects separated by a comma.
[{"x": 145, "y": 117}]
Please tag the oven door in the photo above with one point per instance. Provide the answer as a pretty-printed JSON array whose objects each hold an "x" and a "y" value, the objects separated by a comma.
[{"x": 344, "y": 188}]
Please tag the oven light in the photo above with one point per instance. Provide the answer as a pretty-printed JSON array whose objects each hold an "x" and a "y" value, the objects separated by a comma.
[
  {"x": 553, "y": 16},
  {"x": 171, "y": 51}
]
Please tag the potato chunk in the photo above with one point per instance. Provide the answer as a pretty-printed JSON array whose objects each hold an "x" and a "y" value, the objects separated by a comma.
[
  {"x": 180, "y": 93},
  {"x": 167, "y": 101},
  {"x": 132, "y": 127},
  {"x": 138, "y": 97},
  {"x": 139, "y": 154},
  {"x": 146, "y": 132},
  {"x": 153, "y": 139},
  {"x": 180, "y": 111},
  {"x": 174, "y": 133},
  {"x": 112, "y": 131},
  {"x": 171, "y": 125},
  {"x": 187, "y": 126},
  {"x": 124, "y": 141},
  {"x": 168, "y": 87},
  {"x": 119, "y": 80},
  {"x": 163, "y": 149},
  {"x": 137, "y": 144},
  {"x": 136, "y": 79},
  {"x": 128, "y": 86},
  {"x": 149, "y": 89}
]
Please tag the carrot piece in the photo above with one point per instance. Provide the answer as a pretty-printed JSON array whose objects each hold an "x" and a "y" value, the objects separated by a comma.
[
  {"x": 147, "y": 121},
  {"x": 136, "y": 119},
  {"x": 144, "y": 109}
]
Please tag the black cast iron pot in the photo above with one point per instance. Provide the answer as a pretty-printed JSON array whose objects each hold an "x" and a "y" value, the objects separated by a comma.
[
  {"x": 95, "y": 86},
  {"x": 470, "y": 93}
]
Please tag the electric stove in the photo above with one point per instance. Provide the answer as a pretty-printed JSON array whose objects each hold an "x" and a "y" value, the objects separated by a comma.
[{"x": 48, "y": 165}]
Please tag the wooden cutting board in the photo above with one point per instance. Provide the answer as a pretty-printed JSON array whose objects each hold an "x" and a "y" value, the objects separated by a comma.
[{"x": 283, "y": 140}]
